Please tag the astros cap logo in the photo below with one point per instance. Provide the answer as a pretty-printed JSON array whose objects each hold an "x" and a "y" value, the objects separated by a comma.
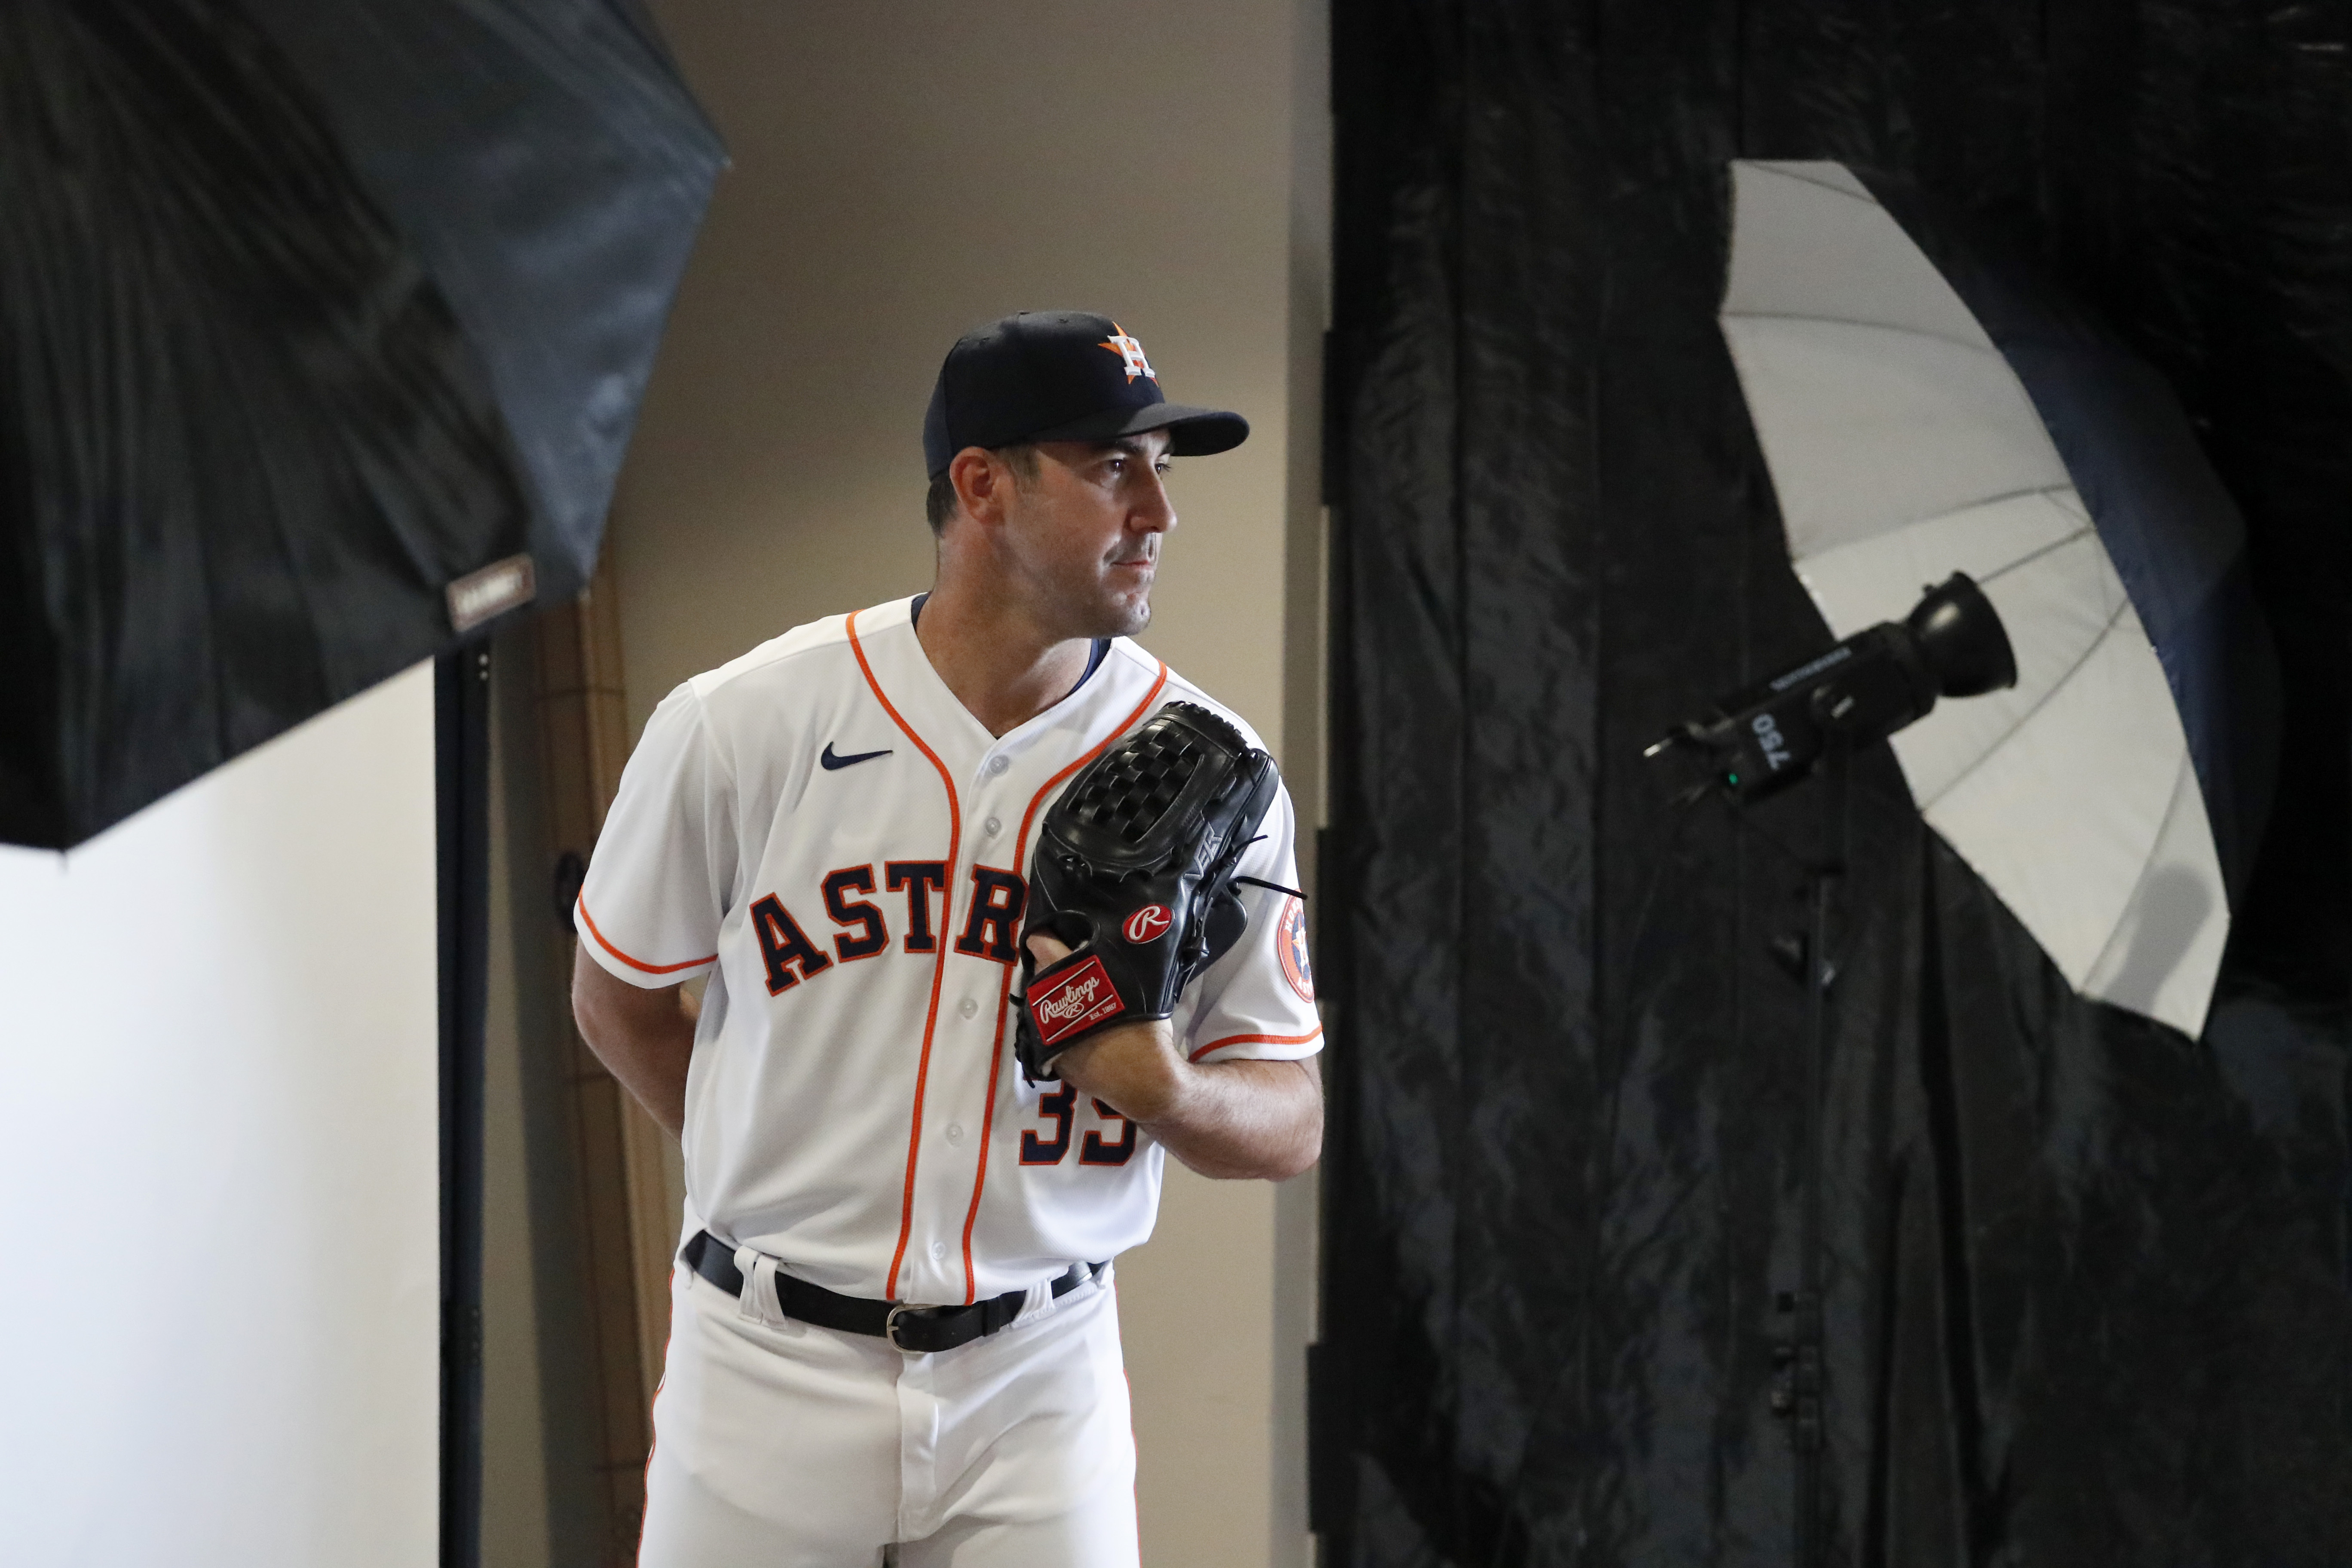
[{"x": 1130, "y": 352}]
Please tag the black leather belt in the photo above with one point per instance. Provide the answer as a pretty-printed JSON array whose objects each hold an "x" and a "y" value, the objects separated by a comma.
[{"x": 915, "y": 1330}]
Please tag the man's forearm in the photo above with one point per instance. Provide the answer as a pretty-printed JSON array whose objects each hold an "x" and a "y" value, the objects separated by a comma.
[
  {"x": 645, "y": 1038},
  {"x": 1246, "y": 1118},
  {"x": 1232, "y": 1120}
]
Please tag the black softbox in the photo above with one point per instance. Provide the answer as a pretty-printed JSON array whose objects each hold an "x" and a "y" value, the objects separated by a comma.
[{"x": 322, "y": 328}]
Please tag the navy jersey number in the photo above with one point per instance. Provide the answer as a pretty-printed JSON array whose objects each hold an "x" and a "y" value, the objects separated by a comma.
[
  {"x": 1095, "y": 1150},
  {"x": 1036, "y": 1150}
]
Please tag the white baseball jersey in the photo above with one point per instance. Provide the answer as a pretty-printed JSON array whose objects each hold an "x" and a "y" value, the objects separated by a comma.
[{"x": 823, "y": 828}]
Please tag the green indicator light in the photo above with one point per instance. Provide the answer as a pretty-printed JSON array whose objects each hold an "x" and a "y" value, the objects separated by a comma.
[{"x": 1731, "y": 779}]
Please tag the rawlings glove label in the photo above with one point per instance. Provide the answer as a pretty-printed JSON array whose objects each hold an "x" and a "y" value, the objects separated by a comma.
[
  {"x": 1074, "y": 1000},
  {"x": 1148, "y": 923}
]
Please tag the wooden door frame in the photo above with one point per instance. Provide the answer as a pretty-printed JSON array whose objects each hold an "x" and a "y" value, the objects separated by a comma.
[{"x": 630, "y": 1185}]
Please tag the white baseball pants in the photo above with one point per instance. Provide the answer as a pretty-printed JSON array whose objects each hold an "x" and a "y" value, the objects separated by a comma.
[{"x": 789, "y": 1445}]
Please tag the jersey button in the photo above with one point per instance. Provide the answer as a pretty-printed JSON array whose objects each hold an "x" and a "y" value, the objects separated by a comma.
[
  {"x": 968, "y": 1007},
  {"x": 992, "y": 826},
  {"x": 955, "y": 1132},
  {"x": 938, "y": 1250},
  {"x": 998, "y": 764}
]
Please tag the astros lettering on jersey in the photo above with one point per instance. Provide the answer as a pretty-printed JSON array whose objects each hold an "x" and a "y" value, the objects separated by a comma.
[{"x": 825, "y": 829}]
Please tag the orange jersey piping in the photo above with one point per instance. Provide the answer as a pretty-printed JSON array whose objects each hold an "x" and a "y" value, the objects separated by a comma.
[
  {"x": 938, "y": 964},
  {"x": 1256, "y": 1040},
  {"x": 632, "y": 962},
  {"x": 1004, "y": 989}
]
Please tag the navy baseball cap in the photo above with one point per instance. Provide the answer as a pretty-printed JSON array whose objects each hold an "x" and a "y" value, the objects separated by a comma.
[{"x": 1059, "y": 375}]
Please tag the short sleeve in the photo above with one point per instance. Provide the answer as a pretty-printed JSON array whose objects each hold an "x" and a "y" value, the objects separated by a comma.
[
  {"x": 658, "y": 883},
  {"x": 1258, "y": 1001}
]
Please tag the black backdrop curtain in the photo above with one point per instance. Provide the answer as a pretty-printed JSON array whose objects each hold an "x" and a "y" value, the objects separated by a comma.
[{"x": 2086, "y": 1297}]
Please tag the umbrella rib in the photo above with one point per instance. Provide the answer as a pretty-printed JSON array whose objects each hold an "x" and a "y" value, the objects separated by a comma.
[
  {"x": 1976, "y": 505},
  {"x": 1986, "y": 349},
  {"x": 1982, "y": 501},
  {"x": 2027, "y": 717},
  {"x": 2032, "y": 556},
  {"x": 1786, "y": 173}
]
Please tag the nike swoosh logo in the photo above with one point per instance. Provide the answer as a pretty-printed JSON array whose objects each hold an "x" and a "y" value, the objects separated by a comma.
[{"x": 832, "y": 762}]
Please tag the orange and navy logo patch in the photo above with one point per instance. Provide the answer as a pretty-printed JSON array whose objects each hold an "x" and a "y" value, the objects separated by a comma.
[
  {"x": 1130, "y": 352},
  {"x": 1290, "y": 943}
]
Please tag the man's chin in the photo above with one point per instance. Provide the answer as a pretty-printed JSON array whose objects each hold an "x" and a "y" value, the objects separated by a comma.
[
  {"x": 1126, "y": 619},
  {"x": 1120, "y": 615},
  {"x": 1099, "y": 614}
]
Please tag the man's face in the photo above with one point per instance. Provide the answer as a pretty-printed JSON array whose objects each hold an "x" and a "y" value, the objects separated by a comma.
[{"x": 1083, "y": 533}]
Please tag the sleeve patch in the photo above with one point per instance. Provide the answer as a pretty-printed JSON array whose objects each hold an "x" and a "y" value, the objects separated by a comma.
[{"x": 1290, "y": 940}]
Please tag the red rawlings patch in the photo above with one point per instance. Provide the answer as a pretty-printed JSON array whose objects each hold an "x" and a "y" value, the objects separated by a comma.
[
  {"x": 1148, "y": 923},
  {"x": 1075, "y": 999}
]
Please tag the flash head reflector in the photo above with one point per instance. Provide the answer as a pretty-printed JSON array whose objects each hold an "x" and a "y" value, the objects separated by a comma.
[
  {"x": 1760, "y": 740},
  {"x": 1961, "y": 641}
]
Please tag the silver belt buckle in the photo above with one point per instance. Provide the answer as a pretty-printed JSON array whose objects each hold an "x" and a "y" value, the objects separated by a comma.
[{"x": 890, "y": 1327}]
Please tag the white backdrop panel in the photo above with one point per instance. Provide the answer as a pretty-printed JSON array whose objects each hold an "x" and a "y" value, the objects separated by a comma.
[{"x": 219, "y": 1339}]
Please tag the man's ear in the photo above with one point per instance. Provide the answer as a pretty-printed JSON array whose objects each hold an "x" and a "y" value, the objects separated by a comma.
[{"x": 983, "y": 484}]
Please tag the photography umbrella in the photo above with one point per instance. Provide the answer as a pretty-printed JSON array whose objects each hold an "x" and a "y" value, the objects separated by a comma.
[
  {"x": 323, "y": 325},
  {"x": 1926, "y": 405}
]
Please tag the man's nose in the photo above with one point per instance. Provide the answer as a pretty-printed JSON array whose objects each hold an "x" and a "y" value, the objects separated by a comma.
[{"x": 1153, "y": 512}]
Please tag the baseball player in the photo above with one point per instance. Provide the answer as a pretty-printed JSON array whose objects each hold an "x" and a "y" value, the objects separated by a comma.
[{"x": 893, "y": 1337}]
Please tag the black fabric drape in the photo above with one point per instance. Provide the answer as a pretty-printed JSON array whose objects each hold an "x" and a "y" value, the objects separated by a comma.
[{"x": 2086, "y": 1292}]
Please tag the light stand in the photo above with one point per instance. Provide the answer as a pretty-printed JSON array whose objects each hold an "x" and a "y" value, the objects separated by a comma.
[
  {"x": 1797, "y": 1392},
  {"x": 1808, "y": 722}
]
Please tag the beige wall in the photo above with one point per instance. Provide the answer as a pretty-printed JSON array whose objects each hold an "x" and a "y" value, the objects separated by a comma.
[{"x": 903, "y": 170}]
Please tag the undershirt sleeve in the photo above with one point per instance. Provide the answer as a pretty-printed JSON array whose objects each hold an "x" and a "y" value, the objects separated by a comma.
[
  {"x": 1258, "y": 1001},
  {"x": 658, "y": 883}
]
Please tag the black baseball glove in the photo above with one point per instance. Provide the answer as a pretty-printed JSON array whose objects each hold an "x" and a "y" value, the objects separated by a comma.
[{"x": 1134, "y": 871}]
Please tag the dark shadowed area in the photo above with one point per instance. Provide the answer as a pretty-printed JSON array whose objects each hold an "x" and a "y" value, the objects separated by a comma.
[{"x": 2085, "y": 1279}]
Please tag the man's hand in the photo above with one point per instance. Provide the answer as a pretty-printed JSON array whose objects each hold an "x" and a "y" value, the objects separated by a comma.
[
  {"x": 1243, "y": 1119},
  {"x": 644, "y": 1038}
]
